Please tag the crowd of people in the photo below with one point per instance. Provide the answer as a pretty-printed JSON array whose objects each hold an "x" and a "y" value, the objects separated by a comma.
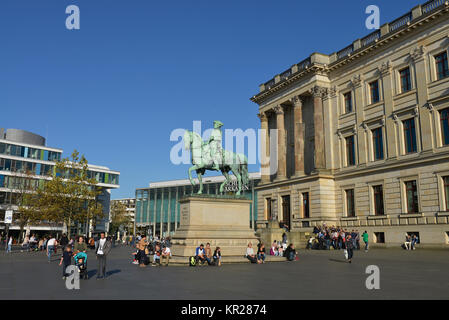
[
  {"x": 158, "y": 249},
  {"x": 325, "y": 238}
]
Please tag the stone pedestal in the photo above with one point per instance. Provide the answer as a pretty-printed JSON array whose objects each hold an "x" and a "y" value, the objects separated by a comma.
[{"x": 223, "y": 222}]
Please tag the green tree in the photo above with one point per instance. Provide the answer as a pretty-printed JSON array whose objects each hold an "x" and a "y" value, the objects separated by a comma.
[
  {"x": 24, "y": 195},
  {"x": 71, "y": 195},
  {"x": 119, "y": 217}
]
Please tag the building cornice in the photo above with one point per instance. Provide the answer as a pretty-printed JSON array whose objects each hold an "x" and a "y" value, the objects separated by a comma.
[{"x": 367, "y": 45}]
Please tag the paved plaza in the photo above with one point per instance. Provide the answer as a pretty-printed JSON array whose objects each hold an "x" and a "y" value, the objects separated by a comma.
[{"x": 420, "y": 274}]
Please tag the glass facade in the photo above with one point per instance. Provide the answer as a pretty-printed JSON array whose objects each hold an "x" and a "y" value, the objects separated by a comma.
[
  {"x": 27, "y": 152},
  {"x": 158, "y": 209}
]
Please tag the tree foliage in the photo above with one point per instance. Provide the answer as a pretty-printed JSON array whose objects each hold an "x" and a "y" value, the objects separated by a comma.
[
  {"x": 119, "y": 217},
  {"x": 71, "y": 195}
]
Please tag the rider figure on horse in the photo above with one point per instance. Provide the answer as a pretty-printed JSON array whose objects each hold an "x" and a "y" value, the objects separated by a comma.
[{"x": 216, "y": 151}]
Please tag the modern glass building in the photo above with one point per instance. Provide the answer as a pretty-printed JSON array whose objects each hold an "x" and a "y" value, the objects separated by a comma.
[
  {"x": 157, "y": 207},
  {"x": 25, "y": 157}
]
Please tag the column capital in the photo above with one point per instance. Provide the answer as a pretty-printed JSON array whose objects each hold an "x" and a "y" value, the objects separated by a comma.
[
  {"x": 278, "y": 110},
  {"x": 317, "y": 91},
  {"x": 417, "y": 54},
  {"x": 297, "y": 101},
  {"x": 262, "y": 116},
  {"x": 385, "y": 68}
]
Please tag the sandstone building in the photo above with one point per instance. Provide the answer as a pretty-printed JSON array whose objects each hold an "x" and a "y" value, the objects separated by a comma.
[{"x": 363, "y": 134}]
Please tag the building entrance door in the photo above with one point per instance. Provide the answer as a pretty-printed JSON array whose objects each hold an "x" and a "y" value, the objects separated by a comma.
[{"x": 286, "y": 211}]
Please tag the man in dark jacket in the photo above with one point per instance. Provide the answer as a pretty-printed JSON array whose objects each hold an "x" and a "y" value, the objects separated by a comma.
[
  {"x": 102, "y": 248},
  {"x": 290, "y": 252}
]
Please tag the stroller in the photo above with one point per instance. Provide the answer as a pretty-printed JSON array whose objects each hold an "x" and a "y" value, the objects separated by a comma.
[{"x": 81, "y": 262}]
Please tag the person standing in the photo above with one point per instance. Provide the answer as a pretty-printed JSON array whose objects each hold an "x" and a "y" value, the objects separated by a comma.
[
  {"x": 217, "y": 256},
  {"x": 66, "y": 260},
  {"x": 51, "y": 243},
  {"x": 64, "y": 240},
  {"x": 80, "y": 246},
  {"x": 102, "y": 249},
  {"x": 365, "y": 239}
]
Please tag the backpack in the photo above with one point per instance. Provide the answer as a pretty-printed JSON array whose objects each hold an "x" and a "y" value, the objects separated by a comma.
[{"x": 192, "y": 261}]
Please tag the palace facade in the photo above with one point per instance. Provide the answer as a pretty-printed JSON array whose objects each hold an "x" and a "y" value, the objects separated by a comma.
[{"x": 363, "y": 135}]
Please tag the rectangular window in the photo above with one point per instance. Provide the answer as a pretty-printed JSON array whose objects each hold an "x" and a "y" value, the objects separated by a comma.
[
  {"x": 350, "y": 208},
  {"x": 442, "y": 66},
  {"x": 406, "y": 83},
  {"x": 305, "y": 205},
  {"x": 410, "y": 135},
  {"x": 378, "y": 144},
  {"x": 379, "y": 237},
  {"x": 412, "y": 196},
  {"x": 378, "y": 200},
  {"x": 446, "y": 191},
  {"x": 444, "y": 116},
  {"x": 348, "y": 102},
  {"x": 269, "y": 214},
  {"x": 374, "y": 91},
  {"x": 350, "y": 151}
]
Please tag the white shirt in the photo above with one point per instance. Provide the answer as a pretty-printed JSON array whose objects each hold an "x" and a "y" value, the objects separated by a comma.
[
  {"x": 249, "y": 251},
  {"x": 10, "y": 241},
  {"x": 51, "y": 242},
  {"x": 101, "y": 243},
  {"x": 167, "y": 251}
]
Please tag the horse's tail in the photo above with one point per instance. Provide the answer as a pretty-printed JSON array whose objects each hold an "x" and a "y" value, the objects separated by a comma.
[{"x": 187, "y": 140}]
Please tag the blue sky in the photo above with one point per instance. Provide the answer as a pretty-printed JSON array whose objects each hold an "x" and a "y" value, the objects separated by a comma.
[{"x": 137, "y": 69}]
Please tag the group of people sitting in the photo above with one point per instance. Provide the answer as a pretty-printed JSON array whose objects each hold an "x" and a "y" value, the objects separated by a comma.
[
  {"x": 160, "y": 250},
  {"x": 277, "y": 249},
  {"x": 204, "y": 255},
  {"x": 410, "y": 242}
]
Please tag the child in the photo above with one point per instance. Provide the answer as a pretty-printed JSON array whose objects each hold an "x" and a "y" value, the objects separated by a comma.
[
  {"x": 66, "y": 260},
  {"x": 280, "y": 251}
]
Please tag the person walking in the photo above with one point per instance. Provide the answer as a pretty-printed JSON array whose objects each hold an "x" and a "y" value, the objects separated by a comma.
[
  {"x": 102, "y": 249},
  {"x": 51, "y": 243},
  {"x": 349, "y": 247},
  {"x": 8, "y": 249},
  {"x": 365, "y": 239},
  {"x": 66, "y": 260}
]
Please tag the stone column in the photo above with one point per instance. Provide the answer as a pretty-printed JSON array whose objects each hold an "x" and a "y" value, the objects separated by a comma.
[
  {"x": 317, "y": 93},
  {"x": 265, "y": 149},
  {"x": 425, "y": 114},
  {"x": 282, "y": 148},
  {"x": 390, "y": 138},
  {"x": 299, "y": 135}
]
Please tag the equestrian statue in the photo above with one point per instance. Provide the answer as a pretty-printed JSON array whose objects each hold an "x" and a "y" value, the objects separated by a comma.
[{"x": 211, "y": 156}]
